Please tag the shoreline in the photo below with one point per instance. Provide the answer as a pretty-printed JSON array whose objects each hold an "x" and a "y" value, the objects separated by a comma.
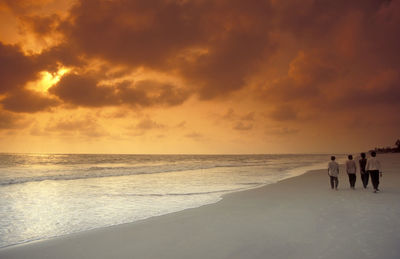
[
  {"x": 296, "y": 217},
  {"x": 105, "y": 228},
  {"x": 293, "y": 173}
]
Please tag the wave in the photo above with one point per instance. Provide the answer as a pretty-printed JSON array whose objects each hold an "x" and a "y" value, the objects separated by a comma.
[
  {"x": 186, "y": 194},
  {"x": 102, "y": 172},
  {"x": 105, "y": 166}
]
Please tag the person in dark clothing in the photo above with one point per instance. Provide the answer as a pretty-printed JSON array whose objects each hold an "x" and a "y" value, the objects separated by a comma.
[{"x": 364, "y": 174}]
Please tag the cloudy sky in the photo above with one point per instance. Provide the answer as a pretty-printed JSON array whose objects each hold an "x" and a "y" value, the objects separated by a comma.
[{"x": 199, "y": 76}]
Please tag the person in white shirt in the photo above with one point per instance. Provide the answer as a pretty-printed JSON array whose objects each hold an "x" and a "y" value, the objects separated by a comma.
[
  {"x": 333, "y": 172},
  {"x": 374, "y": 168},
  {"x": 351, "y": 169}
]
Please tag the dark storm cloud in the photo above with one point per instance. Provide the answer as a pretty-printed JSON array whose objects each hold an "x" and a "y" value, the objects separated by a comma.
[
  {"x": 227, "y": 64},
  {"x": 16, "y": 69},
  {"x": 134, "y": 32},
  {"x": 214, "y": 45},
  {"x": 151, "y": 93},
  {"x": 343, "y": 46},
  {"x": 217, "y": 45},
  {"x": 383, "y": 90},
  {"x": 86, "y": 90},
  {"x": 83, "y": 91},
  {"x": 308, "y": 76},
  {"x": 62, "y": 54},
  {"x": 20, "y": 6},
  {"x": 42, "y": 25},
  {"x": 330, "y": 50},
  {"x": 27, "y": 101}
]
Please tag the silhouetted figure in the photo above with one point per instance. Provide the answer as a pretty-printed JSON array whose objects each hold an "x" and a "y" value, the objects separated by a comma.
[
  {"x": 374, "y": 168},
  {"x": 364, "y": 173},
  {"x": 351, "y": 169},
  {"x": 333, "y": 172}
]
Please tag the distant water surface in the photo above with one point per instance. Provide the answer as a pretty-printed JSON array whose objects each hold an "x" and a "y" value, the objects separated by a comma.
[{"x": 44, "y": 195}]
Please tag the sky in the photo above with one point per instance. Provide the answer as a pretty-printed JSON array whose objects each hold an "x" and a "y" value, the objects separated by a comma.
[{"x": 199, "y": 76}]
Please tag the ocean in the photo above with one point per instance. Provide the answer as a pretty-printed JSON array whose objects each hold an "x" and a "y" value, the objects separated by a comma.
[{"x": 49, "y": 195}]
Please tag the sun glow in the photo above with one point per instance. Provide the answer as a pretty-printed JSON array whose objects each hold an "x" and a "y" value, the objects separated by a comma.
[{"x": 47, "y": 80}]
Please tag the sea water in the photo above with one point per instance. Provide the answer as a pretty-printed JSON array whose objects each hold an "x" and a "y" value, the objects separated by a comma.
[{"x": 49, "y": 195}]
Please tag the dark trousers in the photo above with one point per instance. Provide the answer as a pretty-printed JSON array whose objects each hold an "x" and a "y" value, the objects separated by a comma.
[
  {"x": 374, "y": 178},
  {"x": 365, "y": 178},
  {"x": 334, "y": 182},
  {"x": 352, "y": 180}
]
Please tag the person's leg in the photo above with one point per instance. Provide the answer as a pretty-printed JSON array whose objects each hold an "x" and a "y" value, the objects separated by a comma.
[
  {"x": 375, "y": 178},
  {"x": 349, "y": 175},
  {"x": 354, "y": 180},
  {"x": 366, "y": 179},
  {"x": 372, "y": 179},
  {"x": 336, "y": 182},
  {"x": 363, "y": 179},
  {"x": 331, "y": 180}
]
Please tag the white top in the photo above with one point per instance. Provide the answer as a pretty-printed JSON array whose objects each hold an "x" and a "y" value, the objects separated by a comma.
[
  {"x": 373, "y": 164},
  {"x": 351, "y": 167},
  {"x": 333, "y": 168}
]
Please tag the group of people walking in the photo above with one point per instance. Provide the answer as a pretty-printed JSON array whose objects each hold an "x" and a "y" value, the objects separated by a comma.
[{"x": 368, "y": 167}]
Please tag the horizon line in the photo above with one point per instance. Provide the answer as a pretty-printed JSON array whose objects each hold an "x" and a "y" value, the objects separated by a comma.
[{"x": 160, "y": 154}]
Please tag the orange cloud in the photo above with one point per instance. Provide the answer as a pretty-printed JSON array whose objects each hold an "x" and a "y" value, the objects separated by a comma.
[{"x": 297, "y": 62}]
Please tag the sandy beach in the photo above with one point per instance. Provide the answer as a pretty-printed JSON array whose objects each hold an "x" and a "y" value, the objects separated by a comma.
[
  {"x": 300, "y": 217},
  {"x": 185, "y": 129}
]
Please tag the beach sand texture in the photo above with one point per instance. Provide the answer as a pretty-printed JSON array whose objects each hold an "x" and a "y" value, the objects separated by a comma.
[{"x": 300, "y": 217}]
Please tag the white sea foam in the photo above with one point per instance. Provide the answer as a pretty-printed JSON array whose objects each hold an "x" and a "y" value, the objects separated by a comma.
[{"x": 50, "y": 195}]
